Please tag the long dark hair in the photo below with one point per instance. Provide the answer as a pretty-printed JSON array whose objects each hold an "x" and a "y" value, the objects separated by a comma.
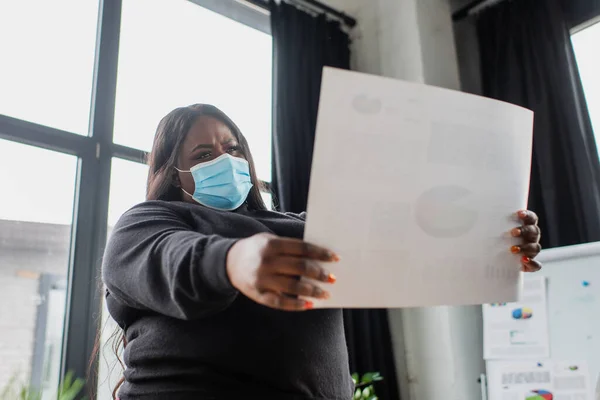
[
  {"x": 162, "y": 160},
  {"x": 170, "y": 134}
]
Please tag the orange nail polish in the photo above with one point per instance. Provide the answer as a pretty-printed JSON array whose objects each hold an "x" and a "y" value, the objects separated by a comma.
[
  {"x": 515, "y": 249},
  {"x": 526, "y": 260},
  {"x": 331, "y": 278},
  {"x": 309, "y": 305},
  {"x": 516, "y": 232},
  {"x": 522, "y": 214}
]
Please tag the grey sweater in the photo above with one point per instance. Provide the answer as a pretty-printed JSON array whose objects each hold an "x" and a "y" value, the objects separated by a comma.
[{"x": 190, "y": 334}]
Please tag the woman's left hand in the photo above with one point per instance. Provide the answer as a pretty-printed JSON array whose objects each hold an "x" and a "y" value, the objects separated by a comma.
[{"x": 530, "y": 233}]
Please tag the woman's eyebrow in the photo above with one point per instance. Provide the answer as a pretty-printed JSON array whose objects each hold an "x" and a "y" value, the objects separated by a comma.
[{"x": 201, "y": 146}]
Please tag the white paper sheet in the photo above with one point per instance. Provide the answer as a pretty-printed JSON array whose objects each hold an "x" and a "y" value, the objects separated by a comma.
[
  {"x": 416, "y": 188},
  {"x": 520, "y": 329},
  {"x": 543, "y": 380}
]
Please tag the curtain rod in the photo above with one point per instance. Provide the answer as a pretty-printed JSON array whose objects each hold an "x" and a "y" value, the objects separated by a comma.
[
  {"x": 348, "y": 20},
  {"x": 473, "y": 6}
]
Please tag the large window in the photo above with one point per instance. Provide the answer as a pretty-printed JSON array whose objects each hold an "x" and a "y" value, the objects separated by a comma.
[
  {"x": 83, "y": 85},
  {"x": 48, "y": 61},
  {"x": 174, "y": 53},
  {"x": 36, "y": 212},
  {"x": 585, "y": 44}
]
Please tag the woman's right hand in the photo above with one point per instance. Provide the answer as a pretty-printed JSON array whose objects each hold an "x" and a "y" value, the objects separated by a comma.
[{"x": 275, "y": 271}]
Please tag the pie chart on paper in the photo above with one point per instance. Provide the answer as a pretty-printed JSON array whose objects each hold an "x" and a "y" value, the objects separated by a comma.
[
  {"x": 440, "y": 213},
  {"x": 539, "y": 395}
]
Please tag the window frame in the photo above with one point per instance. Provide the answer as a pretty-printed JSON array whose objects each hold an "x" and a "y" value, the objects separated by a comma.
[
  {"x": 242, "y": 12},
  {"x": 583, "y": 26},
  {"x": 95, "y": 152}
]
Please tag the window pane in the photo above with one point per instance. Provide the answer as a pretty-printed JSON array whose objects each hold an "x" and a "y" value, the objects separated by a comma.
[
  {"x": 36, "y": 209},
  {"x": 127, "y": 188},
  {"x": 268, "y": 199},
  {"x": 47, "y": 63},
  {"x": 175, "y": 53},
  {"x": 585, "y": 44}
]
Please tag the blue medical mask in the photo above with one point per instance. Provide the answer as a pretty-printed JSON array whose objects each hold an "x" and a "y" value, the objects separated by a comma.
[{"x": 222, "y": 184}]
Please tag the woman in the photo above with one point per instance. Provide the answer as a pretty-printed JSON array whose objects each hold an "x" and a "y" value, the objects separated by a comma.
[{"x": 202, "y": 277}]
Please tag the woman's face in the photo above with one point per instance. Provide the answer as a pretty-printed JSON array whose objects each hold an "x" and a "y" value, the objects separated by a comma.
[{"x": 207, "y": 139}]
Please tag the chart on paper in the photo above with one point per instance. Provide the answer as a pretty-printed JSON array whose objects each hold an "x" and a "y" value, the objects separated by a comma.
[
  {"x": 416, "y": 188},
  {"x": 518, "y": 330},
  {"x": 539, "y": 380}
]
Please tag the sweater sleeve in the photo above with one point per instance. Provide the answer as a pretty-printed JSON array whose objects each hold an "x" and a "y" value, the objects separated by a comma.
[
  {"x": 155, "y": 261},
  {"x": 301, "y": 216}
]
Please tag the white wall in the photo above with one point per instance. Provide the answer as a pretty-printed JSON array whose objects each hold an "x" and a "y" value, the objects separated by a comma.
[
  {"x": 438, "y": 350},
  {"x": 405, "y": 39},
  {"x": 467, "y": 50}
]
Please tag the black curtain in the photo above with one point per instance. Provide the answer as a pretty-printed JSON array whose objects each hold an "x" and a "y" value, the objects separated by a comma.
[
  {"x": 302, "y": 45},
  {"x": 527, "y": 59},
  {"x": 370, "y": 348}
]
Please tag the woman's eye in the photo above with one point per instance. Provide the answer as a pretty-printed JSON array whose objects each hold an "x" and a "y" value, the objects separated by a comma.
[
  {"x": 203, "y": 156},
  {"x": 233, "y": 149}
]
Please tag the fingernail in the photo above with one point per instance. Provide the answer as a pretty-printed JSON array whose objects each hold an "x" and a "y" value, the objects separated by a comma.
[
  {"x": 522, "y": 214},
  {"x": 325, "y": 295},
  {"x": 309, "y": 305},
  {"x": 516, "y": 232},
  {"x": 515, "y": 249},
  {"x": 333, "y": 257},
  {"x": 331, "y": 278},
  {"x": 525, "y": 260}
]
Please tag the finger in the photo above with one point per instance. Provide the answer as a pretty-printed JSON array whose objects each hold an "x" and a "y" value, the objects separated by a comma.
[
  {"x": 528, "y": 217},
  {"x": 530, "y": 250},
  {"x": 292, "y": 286},
  {"x": 529, "y": 233},
  {"x": 300, "y": 248},
  {"x": 281, "y": 302},
  {"x": 529, "y": 265},
  {"x": 300, "y": 267}
]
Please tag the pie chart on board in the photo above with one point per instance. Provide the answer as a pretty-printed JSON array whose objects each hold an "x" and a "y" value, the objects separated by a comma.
[
  {"x": 539, "y": 395},
  {"x": 522, "y": 313}
]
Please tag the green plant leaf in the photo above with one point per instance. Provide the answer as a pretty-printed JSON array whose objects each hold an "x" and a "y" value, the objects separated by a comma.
[
  {"x": 8, "y": 393},
  {"x": 66, "y": 382},
  {"x": 15, "y": 390},
  {"x": 367, "y": 392},
  {"x": 72, "y": 393},
  {"x": 70, "y": 388},
  {"x": 355, "y": 378},
  {"x": 358, "y": 394},
  {"x": 371, "y": 377}
]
